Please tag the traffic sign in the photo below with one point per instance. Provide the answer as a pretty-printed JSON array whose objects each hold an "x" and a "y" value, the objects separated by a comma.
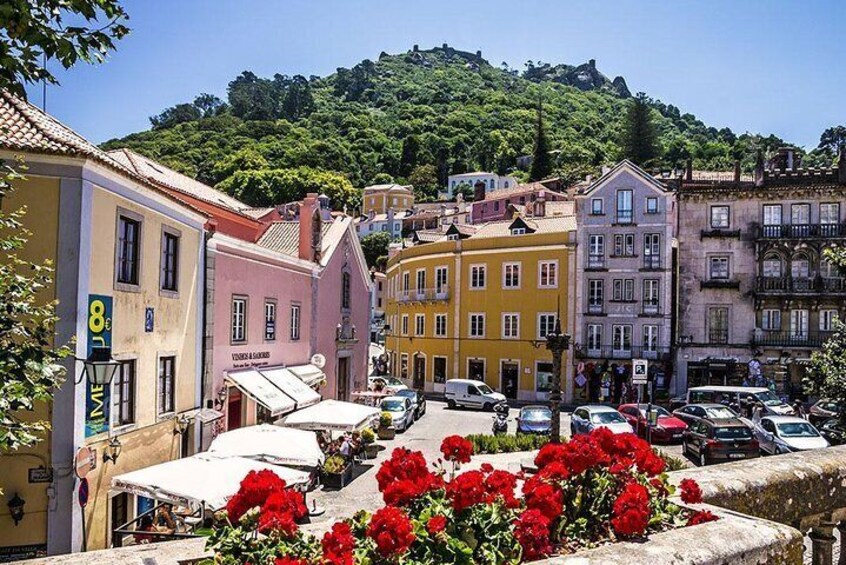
[
  {"x": 85, "y": 461},
  {"x": 83, "y": 492},
  {"x": 639, "y": 371}
]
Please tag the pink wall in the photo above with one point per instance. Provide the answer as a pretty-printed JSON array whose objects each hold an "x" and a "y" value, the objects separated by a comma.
[{"x": 486, "y": 211}]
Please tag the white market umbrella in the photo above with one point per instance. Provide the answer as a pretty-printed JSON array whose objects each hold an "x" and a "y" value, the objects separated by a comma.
[
  {"x": 332, "y": 415},
  {"x": 269, "y": 443}
]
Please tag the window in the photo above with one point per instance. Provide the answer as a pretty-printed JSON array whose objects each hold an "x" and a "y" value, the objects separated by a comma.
[
  {"x": 239, "y": 319},
  {"x": 772, "y": 214},
  {"x": 406, "y": 281},
  {"x": 384, "y": 227},
  {"x": 830, "y": 213},
  {"x": 596, "y": 251},
  {"x": 405, "y": 324},
  {"x": 370, "y": 227},
  {"x": 799, "y": 324},
  {"x": 719, "y": 217},
  {"x": 295, "y": 322},
  {"x": 651, "y": 204},
  {"x": 345, "y": 291},
  {"x": 511, "y": 275},
  {"x": 128, "y": 253},
  {"x": 518, "y": 231},
  {"x": 123, "y": 391},
  {"x": 827, "y": 317},
  {"x": 420, "y": 324},
  {"x": 548, "y": 274},
  {"x": 650, "y": 296},
  {"x": 800, "y": 267},
  {"x": 596, "y": 290},
  {"x": 543, "y": 376},
  {"x": 440, "y": 279},
  {"x": 452, "y": 237},
  {"x": 546, "y": 324},
  {"x": 624, "y": 245},
  {"x": 439, "y": 365},
  {"x": 170, "y": 261},
  {"x": 477, "y": 276},
  {"x": 596, "y": 207},
  {"x": 496, "y": 205},
  {"x": 167, "y": 372},
  {"x": 440, "y": 325},
  {"x": 594, "y": 338},
  {"x": 510, "y": 326},
  {"x": 800, "y": 214},
  {"x": 404, "y": 366},
  {"x": 621, "y": 338},
  {"x": 624, "y": 207},
  {"x": 650, "y": 339},
  {"x": 652, "y": 250},
  {"x": 771, "y": 320},
  {"x": 771, "y": 266},
  {"x": 718, "y": 268},
  {"x": 477, "y": 325},
  {"x": 718, "y": 325},
  {"x": 491, "y": 184},
  {"x": 421, "y": 280},
  {"x": 269, "y": 320},
  {"x": 623, "y": 290},
  {"x": 397, "y": 227}
]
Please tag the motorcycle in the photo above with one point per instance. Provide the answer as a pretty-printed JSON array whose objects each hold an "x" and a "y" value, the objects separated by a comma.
[{"x": 500, "y": 418}]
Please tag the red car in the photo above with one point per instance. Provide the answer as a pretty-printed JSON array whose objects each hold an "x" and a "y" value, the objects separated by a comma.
[{"x": 668, "y": 428}]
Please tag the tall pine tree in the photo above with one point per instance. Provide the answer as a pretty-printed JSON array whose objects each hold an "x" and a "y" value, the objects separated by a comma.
[
  {"x": 541, "y": 164},
  {"x": 639, "y": 142}
]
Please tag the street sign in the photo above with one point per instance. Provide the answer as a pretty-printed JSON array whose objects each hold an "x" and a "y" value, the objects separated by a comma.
[
  {"x": 83, "y": 492},
  {"x": 149, "y": 319},
  {"x": 85, "y": 461},
  {"x": 318, "y": 360},
  {"x": 639, "y": 371},
  {"x": 41, "y": 475}
]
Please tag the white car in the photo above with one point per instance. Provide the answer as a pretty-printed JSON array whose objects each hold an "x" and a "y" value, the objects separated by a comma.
[
  {"x": 785, "y": 434},
  {"x": 471, "y": 394},
  {"x": 401, "y": 411},
  {"x": 585, "y": 419},
  {"x": 385, "y": 384}
]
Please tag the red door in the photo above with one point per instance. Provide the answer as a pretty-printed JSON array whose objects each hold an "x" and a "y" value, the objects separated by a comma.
[{"x": 233, "y": 411}]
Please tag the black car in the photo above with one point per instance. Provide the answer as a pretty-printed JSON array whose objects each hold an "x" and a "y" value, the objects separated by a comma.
[
  {"x": 692, "y": 413},
  {"x": 417, "y": 400},
  {"x": 708, "y": 441},
  {"x": 834, "y": 431}
]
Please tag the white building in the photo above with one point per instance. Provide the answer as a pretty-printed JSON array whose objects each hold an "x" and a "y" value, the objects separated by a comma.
[
  {"x": 492, "y": 182},
  {"x": 390, "y": 222}
]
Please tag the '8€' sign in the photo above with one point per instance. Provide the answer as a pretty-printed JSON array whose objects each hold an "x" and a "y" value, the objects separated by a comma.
[{"x": 99, "y": 335}]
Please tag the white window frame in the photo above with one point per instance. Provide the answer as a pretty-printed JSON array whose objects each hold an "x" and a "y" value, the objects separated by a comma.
[
  {"x": 594, "y": 338},
  {"x": 651, "y": 333},
  {"x": 594, "y": 211},
  {"x": 404, "y": 322},
  {"x": 420, "y": 325},
  {"x": 827, "y": 317},
  {"x": 240, "y": 306},
  {"x": 624, "y": 331},
  {"x": 510, "y": 271},
  {"x": 270, "y": 310},
  {"x": 510, "y": 325},
  {"x": 652, "y": 199},
  {"x": 441, "y": 286},
  {"x": 551, "y": 274},
  {"x": 474, "y": 319},
  {"x": 545, "y": 323},
  {"x": 478, "y": 270},
  {"x": 441, "y": 325},
  {"x": 771, "y": 320},
  {"x": 719, "y": 258},
  {"x": 296, "y": 311}
]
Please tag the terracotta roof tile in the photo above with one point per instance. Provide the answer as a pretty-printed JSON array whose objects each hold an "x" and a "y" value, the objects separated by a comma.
[{"x": 284, "y": 237}]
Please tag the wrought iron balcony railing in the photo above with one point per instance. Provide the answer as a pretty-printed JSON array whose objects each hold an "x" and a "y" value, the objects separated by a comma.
[
  {"x": 778, "y": 285},
  {"x": 800, "y": 231},
  {"x": 630, "y": 352},
  {"x": 651, "y": 262},
  {"x": 790, "y": 338},
  {"x": 423, "y": 295},
  {"x": 596, "y": 261}
]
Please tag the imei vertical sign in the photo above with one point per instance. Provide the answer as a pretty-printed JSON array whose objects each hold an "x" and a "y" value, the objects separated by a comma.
[{"x": 99, "y": 335}]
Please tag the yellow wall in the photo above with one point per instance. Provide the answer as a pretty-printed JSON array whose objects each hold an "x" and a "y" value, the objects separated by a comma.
[
  {"x": 493, "y": 301},
  {"x": 382, "y": 200},
  {"x": 41, "y": 197}
]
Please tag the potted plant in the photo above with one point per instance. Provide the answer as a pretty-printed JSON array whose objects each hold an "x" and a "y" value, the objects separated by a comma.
[
  {"x": 368, "y": 438},
  {"x": 337, "y": 472},
  {"x": 386, "y": 428}
]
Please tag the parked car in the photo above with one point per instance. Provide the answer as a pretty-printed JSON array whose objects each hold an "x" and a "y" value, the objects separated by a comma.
[
  {"x": 822, "y": 410},
  {"x": 692, "y": 413},
  {"x": 385, "y": 384},
  {"x": 667, "y": 428},
  {"x": 471, "y": 394},
  {"x": 708, "y": 441},
  {"x": 585, "y": 419},
  {"x": 736, "y": 397},
  {"x": 418, "y": 401},
  {"x": 834, "y": 431},
  {"x": 534, "y": 420},
  {"x": 401, "y": 411},
  {"x": 785, "y": 434}
]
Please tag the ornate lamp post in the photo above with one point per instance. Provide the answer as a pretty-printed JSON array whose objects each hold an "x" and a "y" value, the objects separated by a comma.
[{"x": 557, "y": 343}]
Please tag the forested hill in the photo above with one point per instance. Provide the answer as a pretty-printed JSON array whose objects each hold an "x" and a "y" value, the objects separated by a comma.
[{"x": 413, "y": 117}]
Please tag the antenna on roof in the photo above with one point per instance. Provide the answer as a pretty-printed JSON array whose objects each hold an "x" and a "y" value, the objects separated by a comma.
[{"x": 44, "y": 84}]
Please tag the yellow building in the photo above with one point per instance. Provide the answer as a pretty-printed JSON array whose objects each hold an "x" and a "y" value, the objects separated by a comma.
[
  {"x": 478, "y": 301},
  {"x": 128, "y": 275},
  {"x": 379, "y": 198}
]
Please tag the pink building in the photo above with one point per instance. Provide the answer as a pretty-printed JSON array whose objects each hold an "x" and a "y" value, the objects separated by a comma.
[{"x": 493, "y": 206}]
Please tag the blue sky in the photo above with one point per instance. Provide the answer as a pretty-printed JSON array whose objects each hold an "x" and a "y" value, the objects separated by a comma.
[{"x": 760, "y": 66}]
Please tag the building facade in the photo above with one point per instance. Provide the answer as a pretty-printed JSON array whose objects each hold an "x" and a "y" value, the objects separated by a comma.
[
  {"x": 129, "y": 261},
  {"x": 379, "y": 198},
  {"x": 479, "y": 305},
  {"x": 492, "y": 181},
  {"x": 756, "y": 294},
  {"x": 390, "y": 222},
  {"x": 494, "y": 206},
  {"x": 624, "y": 279}
]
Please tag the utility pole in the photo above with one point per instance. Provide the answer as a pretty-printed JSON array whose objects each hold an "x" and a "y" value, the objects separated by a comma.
[{"x": 557, "y": 343}]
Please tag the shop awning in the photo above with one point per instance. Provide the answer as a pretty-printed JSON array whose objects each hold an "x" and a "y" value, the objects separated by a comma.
[
  {"x": 332, "y": 415},
  {"x": 201, "y": 480},
  {"x": 309, "y": 374},
  {"x": 256, "y": 386},
  {"x": 291, "y": 385},
  {"x": 272, "y": 444}
]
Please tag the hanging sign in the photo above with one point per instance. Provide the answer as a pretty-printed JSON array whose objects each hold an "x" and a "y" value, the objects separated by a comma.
[{"x": 99, "y": 335}]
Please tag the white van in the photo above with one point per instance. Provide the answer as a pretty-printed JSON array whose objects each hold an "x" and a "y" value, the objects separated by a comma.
[{"x": 472, "y": 394}]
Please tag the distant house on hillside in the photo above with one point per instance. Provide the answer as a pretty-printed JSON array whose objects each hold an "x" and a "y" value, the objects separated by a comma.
[{"x": 492, "y": 182}]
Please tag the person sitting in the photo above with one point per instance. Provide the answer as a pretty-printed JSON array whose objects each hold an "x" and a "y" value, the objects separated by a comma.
[
  {"x": 799, "y": 409},
  {"x": 164, "y": 521},
  {"x": 144, "y": 525}
]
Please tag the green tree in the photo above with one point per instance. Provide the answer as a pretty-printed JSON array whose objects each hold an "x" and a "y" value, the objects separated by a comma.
[
  {"x": 247, "y": 159},
  {"x": 424, "y": 179},
  {"x": 29, "y": 362},
  {"x": 639, "y": 142},
  {"x": 541, "y": 163},
  {"x": 410, "y": 150},
  {"x": 465, "y": 190},
  {"x": 298, "y": 101},
  {"x": 268, "y": 187},
  {"x": 174, "y": 115},
  {"x": 374, "y": 246},
  {"x": 833, "y": 139},
  {"x": 31, "y": 31}
]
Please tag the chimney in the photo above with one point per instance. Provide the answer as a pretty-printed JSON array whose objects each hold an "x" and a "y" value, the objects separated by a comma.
[
  {"x": 592, "y": 63},
  {"x": 789, "y": 158},
  {"x": 479, "y": 191},
  {"x": 759, "y": 169},
  {"x": 539, "y": 205},
  {"x": 688, "y": 175},
  {"x": 737, "y": 172},
  {"x": 589, "y": 179},
  {"x": 310, "y": 220},
  {"x": 416, "y": 48},
  {"x": 841, "y": 166},
  {"x": 479, "y": 54},
  {"x": 605, "y": 170}
]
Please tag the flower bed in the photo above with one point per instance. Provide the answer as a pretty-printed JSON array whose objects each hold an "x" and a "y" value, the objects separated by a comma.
[
  {"x": 506, "y": 443},
  {"x": 592, "y": 490}
]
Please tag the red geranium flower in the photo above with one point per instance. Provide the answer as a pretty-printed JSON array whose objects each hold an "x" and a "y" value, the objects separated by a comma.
[
  {"x": 701, "y": 518},
  {"x": 549, "y": 453},
  {"x": 532, "y": 531},
  {"x": 456, "y": 449},
  {"x": 281, "y": 511},
  {"x": 338, "y": 545},
  {"x": 659, "y": 486},
  {"x": 500, "y": 485},
  {"x": 555, "y": 471},
  {"x": 648, "y": 462},
  {"x": 290, "y": 561},
  {"x": 405, "y": 477},
  {"x": 256, "y": 487},
  {"x": 392, "y": 531},
  {"x": 467, "y": 489},
  {"x": 631, "y": 511},
  {"x": 435, "y": 525},
  {"x": 545, "y": 498},
  {"x": 690, "y": 491},
  {"x": 486, "y": 468}
]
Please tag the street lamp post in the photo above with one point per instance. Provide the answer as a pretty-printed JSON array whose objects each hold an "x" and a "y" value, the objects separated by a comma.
[{"x": 557, "y": 343}]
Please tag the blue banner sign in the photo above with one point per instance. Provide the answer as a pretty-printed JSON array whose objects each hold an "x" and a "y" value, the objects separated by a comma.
[{"x": 99, "y": 335}]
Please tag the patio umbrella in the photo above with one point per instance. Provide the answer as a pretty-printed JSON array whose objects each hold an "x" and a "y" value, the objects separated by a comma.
[{"x": 272, "y": 444}]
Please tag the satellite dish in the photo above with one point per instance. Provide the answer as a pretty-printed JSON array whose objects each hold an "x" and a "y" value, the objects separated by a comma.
[{"x": 318, "y": 360}]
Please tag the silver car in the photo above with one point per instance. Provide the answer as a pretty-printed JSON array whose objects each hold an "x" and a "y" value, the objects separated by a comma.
[
  {"x": 585, "y": 419},
  {"x": 401, "y": 411},
  {"x": 785, "y": 434}
]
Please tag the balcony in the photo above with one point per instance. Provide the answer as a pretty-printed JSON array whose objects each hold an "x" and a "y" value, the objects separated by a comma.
[
  {"x": 624, "y": 217},
  {"x": 719, "y": 233},
  {"x": 718, "y": 336},
  {"x": 789, "y": 339},
  {"x": 596, "y": 308},
  {"x": 423, "y": 295},
  {"x": 652, "y": 263},
  {"x": 633, "y": 352},
  {"x": 650, "y": 308},
  {"x": 596, "y": 261},
  {"x": 800, "y": 231},
  {"x": 799, "y": 285}
]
